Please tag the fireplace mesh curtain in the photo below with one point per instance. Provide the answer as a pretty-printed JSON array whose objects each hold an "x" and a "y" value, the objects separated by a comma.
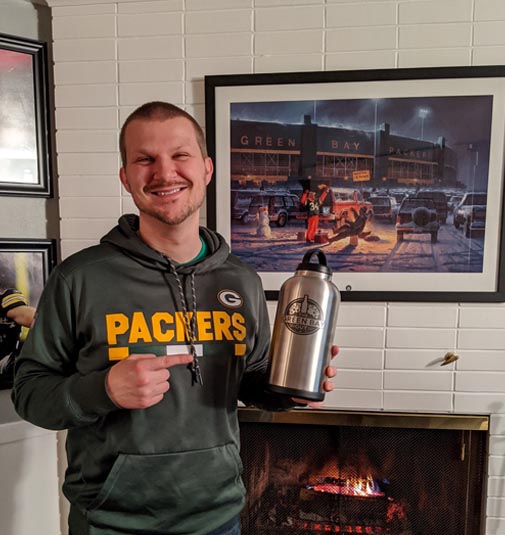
[{"x": 305, "y": 479}]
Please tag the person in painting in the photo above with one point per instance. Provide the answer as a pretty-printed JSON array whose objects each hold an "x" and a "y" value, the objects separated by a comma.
[
  {"x": 142, "y": 347},
  {"x": 15, "y": 313},
  {"x": 312, "y": 204},
  {"x": 353, "y": 228}
]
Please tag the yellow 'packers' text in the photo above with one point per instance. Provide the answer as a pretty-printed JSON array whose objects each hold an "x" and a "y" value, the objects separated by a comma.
[{"x": 165, "y": 327}]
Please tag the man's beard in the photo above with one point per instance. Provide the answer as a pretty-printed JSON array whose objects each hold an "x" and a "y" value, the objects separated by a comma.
[{"x": 164, "y": 215}]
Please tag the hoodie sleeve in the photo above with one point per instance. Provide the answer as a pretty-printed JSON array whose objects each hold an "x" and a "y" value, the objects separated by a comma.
[
  {"x": 48, "y": 389},
  {"x": 253, "y": 390}
]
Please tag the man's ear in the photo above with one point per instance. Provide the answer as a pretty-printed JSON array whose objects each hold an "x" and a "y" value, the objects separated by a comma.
[
  {"x": 209, "y": 169},
  {"x": 124, "y": 181}
]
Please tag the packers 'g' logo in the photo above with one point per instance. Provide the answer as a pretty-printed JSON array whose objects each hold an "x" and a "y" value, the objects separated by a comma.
[
  {"x": 303, "y": 316},
  {"x": 230, "y": 298}
]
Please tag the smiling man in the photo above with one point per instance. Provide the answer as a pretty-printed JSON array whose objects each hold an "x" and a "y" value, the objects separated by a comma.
[
  {"x": 167, "y": 172},
  {"x": 142, "y": 346}
]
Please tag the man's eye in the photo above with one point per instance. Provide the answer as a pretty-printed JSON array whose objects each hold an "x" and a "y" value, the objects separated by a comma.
[
  {"x": 181, "y": 156},
  {"x": 143, "y": 159}
]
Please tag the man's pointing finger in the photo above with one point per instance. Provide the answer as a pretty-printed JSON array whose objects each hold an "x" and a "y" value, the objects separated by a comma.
[{"x": 167, "y": 361}]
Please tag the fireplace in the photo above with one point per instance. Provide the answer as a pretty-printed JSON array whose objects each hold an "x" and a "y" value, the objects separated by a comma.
[{"x": 324, "y": 471}]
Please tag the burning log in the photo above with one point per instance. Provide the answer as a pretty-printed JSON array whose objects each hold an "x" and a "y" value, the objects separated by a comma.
[{"x": 364, "y": 487}]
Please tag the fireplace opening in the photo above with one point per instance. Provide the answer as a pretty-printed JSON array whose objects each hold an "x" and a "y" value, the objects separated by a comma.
[{"x": 312, "y": 472}]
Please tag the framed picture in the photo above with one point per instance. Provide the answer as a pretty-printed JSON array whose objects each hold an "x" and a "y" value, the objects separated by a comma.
[
  {"x": 24, "y": 268},
  {"x": 24, "y": 121},
  {"x": 396, "y": 175}
]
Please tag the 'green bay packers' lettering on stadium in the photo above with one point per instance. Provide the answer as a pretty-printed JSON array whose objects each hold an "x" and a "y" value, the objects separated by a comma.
[
  {"x": 267, "y": 141},
  {"x": 164, "y": 327}
]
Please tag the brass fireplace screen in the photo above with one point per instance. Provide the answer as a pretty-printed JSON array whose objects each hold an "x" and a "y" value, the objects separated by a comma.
[{"x": 322, "y": 471}]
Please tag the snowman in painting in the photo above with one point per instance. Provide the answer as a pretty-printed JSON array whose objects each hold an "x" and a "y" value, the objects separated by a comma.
[{"x": 263, "y": 229}]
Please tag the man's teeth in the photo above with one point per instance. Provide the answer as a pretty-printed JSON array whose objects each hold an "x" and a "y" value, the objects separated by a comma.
[{"x": 171, "y": 192}]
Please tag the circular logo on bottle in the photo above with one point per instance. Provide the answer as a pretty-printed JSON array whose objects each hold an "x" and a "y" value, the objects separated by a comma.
[{"x": 303, "y": 316}]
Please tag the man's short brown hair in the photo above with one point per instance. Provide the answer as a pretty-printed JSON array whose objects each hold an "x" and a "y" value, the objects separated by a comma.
[{"x": 160, "y": 111}]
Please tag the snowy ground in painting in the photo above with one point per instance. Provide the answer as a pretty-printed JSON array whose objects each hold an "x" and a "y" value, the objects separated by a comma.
[{"x": 283, "y": 251}]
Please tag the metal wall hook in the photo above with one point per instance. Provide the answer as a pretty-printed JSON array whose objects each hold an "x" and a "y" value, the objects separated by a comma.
[{"x": 449, "y": 357}]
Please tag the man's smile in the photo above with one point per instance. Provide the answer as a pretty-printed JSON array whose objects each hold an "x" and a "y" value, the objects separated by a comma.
[{"x": 167, "y": 192}]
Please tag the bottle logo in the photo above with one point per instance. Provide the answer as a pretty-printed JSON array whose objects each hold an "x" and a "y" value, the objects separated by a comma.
[{"x": 303, "y": 316}]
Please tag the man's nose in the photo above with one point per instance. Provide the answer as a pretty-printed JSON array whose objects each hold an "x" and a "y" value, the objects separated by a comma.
[{"x": 164, "y": 167}]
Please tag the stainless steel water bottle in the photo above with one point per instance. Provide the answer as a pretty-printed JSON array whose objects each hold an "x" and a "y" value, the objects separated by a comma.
[{"x": 303, "y": 330}]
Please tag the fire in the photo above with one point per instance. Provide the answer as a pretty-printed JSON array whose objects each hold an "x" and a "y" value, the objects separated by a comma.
[
  {"x": 356, "y": 486},
  {"x": 317, "y": 527}
]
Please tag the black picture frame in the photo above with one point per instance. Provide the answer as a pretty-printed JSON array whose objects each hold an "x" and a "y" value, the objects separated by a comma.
[
  {"x": 25, "y": 266},
  {"x": 231, "y": 102},
  {"x": 25, "y": 151}
]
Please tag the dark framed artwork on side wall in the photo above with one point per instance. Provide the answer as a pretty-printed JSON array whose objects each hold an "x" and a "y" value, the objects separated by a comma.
[
  {"x": 25, "y": 168},
  {"x": 396, "y": 174},
  {"x": 24, "y": 267}
]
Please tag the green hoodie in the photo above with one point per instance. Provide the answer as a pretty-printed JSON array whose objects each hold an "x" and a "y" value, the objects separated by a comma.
[{"x": 174, "y": 468}]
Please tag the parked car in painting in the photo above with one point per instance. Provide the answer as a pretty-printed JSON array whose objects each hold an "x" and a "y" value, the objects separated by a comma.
[
  {"x": 475, "y": 221},
  {"x": 384, "y": 207},
  {"x": 439, "y": 199},
  {"x": 282, "y": 206},
  {"x": 240, "y": 201},
  {"x": 453, "y": 201},
  {"x": 417, "y": 216},
  {"x": 338, "y": 205},
  {"x": 343, "y": 200},
  {"x": 464, "y": 209}
]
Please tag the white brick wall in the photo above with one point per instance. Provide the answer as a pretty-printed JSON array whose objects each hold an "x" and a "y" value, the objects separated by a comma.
[
  {"x": 288, "y": 18},
  {"x": 352, "y": 39},
  {"x": 429, "y": 11},
  {"x": 150, "y": 48},
  {"x": 111, "y": 56},
  {"x": 361, "y": 14}
]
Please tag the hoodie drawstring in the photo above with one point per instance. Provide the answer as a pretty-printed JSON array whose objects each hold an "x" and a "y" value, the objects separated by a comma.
[{"x": 190, "y": 322}]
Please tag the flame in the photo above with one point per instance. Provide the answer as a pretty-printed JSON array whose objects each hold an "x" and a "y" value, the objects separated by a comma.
[
  {"x": 354, "y": 486},
  {"x": 319, "y": 527}
]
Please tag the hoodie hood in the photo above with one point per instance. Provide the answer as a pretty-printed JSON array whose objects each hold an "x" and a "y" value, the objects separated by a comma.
[{"x": 124, "y": 237}]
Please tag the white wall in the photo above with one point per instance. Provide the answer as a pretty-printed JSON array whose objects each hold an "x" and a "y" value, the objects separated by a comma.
[
  {"x": 112, "y": 56},
  {"x": 29, "y": 480},
  {"x": 28, "y": 455}
]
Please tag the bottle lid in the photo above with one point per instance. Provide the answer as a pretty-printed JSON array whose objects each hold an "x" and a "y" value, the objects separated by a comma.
[{"x": 321, "y": 267}]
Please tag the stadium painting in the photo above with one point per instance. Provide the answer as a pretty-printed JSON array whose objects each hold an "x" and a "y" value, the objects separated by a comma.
[{"x": 397, "y": 175}]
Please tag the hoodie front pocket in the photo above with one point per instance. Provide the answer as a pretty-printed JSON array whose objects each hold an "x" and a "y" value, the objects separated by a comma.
[{"x": 170, "y": 493}]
